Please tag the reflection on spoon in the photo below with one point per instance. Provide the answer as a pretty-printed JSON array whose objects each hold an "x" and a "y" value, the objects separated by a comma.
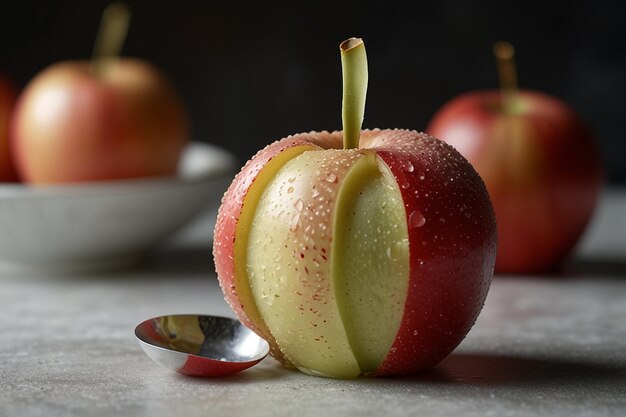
[{"x": 200, "y": 345}]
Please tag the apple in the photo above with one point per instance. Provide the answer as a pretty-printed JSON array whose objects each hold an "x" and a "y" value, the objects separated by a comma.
[
  {"x": 372, "y": 259},
  {"x": 540, "y": 164},
  {"x": 7, "y": 101},
  {"x": 74, "y": 125}
]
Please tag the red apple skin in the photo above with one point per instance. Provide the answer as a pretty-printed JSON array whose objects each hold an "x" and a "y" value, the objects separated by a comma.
[
  {"x": 541, "y": 167},
  {"x": 70, "y": 126},
  {"x": 452, "y": 253},
  {"x": 8, "y": 173}
]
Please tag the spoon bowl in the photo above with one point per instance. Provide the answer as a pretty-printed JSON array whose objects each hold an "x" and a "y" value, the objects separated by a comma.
[{"x": 200, "y": 345}]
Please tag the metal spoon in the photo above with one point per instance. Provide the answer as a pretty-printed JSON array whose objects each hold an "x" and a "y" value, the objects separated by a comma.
[{"x": 201, "y": 345}]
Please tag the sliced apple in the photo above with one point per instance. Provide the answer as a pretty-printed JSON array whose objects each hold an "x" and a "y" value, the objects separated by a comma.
[
  {"x": 361, "y": 261},
  {"x": 374, "y": 259}
]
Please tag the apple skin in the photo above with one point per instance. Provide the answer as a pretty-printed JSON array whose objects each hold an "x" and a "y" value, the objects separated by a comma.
[
  {"x": 8, "y": 94},
  {"x": 71, "y": 126},
  {"x": 541, "y": 167},
  {"x": 451, "y": 232}
]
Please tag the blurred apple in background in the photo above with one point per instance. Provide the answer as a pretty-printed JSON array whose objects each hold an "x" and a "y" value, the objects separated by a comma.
[
  {"x": 110, "y": 118},
  {"x": 7, "y": 102},
  {"x": 372, "y": 259},
  {"x": 539, "y": 161},
  {"x": 71, "y": 125}
]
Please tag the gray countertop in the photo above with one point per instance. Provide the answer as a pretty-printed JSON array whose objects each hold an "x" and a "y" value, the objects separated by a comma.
[{"x": 550, "y": 345}]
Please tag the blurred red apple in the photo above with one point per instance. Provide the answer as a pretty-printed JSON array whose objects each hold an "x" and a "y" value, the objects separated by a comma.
[
  {"x": 71, "y": 125},
  {"x": 541, "y": 167},
  {"x": 7, "y": 101}
]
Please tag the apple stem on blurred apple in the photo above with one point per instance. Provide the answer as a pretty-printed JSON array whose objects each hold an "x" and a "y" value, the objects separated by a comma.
[
  {"x": 507, "y": 72},
  {"x": 354, "y": 71},
  {"x": 111, "y": 36}
]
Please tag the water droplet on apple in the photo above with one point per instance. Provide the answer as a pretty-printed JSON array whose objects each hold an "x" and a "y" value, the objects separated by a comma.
[
  {"x": 290, "y": 190},
  {"x": 422, "y": 176},
  {"x": 332, "y": 178},
  {"x": 295, "y": 222},
  {"x": 416, "y": 219},
  {"x": 398, "y": 250},
  {"x": 406, "y": 185},
  {"x": 298, "y": 205},
  {"x": 408, "y": 167}
]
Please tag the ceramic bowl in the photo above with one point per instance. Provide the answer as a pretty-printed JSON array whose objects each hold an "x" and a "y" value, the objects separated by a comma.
[{"x": 106, "y": 224}]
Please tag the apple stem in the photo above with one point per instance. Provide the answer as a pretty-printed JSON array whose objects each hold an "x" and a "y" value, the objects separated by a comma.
[
  {"x": 111, "y": 36},
  {"x": 354, "y": 71},
  {"x": 507, "y": 72}
]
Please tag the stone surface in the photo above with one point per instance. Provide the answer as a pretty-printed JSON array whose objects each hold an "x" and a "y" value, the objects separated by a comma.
[{"x": 550, "y": 345}]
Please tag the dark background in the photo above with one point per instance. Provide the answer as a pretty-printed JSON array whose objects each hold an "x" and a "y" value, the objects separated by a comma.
[{"x": 253, "y": 73}]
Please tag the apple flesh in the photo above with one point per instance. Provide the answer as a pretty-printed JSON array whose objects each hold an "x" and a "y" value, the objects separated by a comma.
[
  {"x": 72, "y": 126},
  {"x": 540, "y": 165},
  {"x": 371, "y": 261},
  {"x": 8, "y": 172}
]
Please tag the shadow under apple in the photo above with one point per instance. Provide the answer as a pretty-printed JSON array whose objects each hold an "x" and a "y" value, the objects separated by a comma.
[
  {"x": 605, "y": 267},
  {"x": 511, "y": 371}
]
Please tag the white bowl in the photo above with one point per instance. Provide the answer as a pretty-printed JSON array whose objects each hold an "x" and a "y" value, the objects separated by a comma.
[{"x": 105, "y": 224}]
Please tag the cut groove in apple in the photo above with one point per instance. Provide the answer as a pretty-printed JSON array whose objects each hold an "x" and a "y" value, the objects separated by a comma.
[{"x": 370, "y": 283}]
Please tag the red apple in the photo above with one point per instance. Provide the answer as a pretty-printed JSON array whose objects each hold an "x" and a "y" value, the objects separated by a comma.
[
  {"x": 7, "y": 101},
  {"x": 375, "y": 260},
  {"x": 71, "y": 125},
  {"x": 541, "y": 167}
]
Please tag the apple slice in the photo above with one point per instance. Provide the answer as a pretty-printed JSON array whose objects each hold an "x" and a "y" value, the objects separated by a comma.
[
  {"x": 231, "y": 230},
  {"x": 370, "y": 256},
  {"x": 288, "y": 262}
]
